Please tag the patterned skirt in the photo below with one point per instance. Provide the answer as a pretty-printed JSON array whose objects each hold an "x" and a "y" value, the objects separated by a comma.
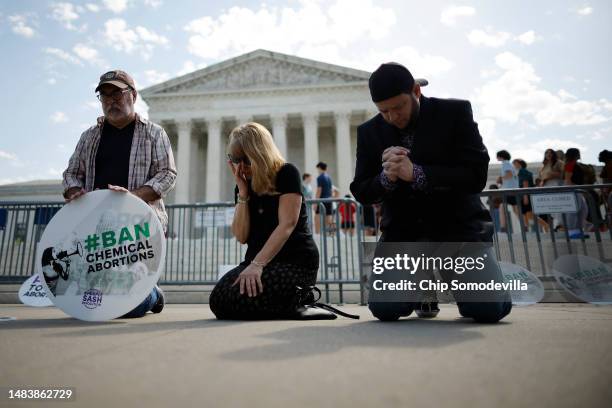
[{"x": 277, "y": 300}]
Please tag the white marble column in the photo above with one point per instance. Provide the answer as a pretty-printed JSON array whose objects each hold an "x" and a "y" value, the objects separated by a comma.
[
  {"x": 183, "y": 161},
  {"x": 279, "y": 132},
  {"x": 344, "y": 160},
  {"x": 213, "y": 160},
  {"x": 311, "y": 143}
]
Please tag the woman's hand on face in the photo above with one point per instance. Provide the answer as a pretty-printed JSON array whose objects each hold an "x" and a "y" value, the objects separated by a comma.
[
  {"x": 239, "y": 177},
  {"x": 250, "y": 281}
]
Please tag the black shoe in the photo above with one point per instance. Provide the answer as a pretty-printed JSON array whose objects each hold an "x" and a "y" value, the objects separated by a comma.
[
  {"x": 312, "y": 313},
  {"x": 428, "y": 307},
  {"x": 427, "y": 310},
  {"x": 161, "y": 301},
  {"x": 308, "y": 300},
  {"x": 390, "y": 317}
]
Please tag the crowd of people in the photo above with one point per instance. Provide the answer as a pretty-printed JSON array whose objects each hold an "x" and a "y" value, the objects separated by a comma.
[{"x": 558, "y": 169}]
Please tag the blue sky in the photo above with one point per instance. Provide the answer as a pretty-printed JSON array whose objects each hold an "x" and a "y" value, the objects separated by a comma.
[{"x": 537, "y": 72}]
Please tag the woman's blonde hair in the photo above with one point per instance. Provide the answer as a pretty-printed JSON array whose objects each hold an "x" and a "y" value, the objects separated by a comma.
[{"x": 255, "y": 142}]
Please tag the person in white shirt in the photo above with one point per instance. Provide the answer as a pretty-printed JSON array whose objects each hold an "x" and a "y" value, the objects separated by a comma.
[{"x": 508, "y": 179}]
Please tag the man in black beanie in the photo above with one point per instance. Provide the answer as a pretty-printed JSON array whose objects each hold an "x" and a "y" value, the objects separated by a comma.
[{"x": 424, "y": 160}]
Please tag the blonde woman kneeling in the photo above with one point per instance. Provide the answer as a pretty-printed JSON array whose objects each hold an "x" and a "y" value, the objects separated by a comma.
[{"x": 277, "y": 277}]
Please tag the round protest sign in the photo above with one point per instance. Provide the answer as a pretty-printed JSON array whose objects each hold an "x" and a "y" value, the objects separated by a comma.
[
  {"x": 586, "y": 278},
  {"x": 101, "y": 255},
  {"x": 33, "y": 292},
  {"x": 535, "y": 288}
]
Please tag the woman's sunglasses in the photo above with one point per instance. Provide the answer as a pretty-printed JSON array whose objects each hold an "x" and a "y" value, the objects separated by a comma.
[{"x": 238, "y": 160}]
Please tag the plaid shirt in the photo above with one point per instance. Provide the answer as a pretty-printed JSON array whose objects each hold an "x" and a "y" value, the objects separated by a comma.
[{"x": 151, "y": 162}]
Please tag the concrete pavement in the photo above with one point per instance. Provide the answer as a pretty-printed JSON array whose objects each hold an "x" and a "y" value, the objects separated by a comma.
[{"x": 555, "y": 355}]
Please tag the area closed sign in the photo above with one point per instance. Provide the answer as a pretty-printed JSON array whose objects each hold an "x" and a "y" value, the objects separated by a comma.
[{"x": 554, "y": 203}]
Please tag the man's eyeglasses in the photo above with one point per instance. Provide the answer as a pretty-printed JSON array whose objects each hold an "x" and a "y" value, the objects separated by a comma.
[
  {"x": 238, "y": 160},
  {"x": 116, "y": 95}
]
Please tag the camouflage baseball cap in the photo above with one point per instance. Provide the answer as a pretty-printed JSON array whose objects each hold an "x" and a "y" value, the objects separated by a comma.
[{"x": 118, "y": 78}]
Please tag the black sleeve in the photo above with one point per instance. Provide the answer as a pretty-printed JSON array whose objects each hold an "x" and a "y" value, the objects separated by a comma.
[
  {"x": 469, "y": 173},
  {"x": 288, "y": 180},
  {"x": 366, "y": 187}
]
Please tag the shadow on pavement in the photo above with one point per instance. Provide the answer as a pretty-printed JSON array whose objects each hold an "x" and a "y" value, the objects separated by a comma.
[
  {"x": 307, "y": 340},
  {"x": 25, "y": 324},
  {"x": 149, "y": 327}
]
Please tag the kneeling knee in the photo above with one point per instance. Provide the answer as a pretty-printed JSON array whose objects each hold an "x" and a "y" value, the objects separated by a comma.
[
  {"x": 389, "y": 311},
  {"x": 214, "y": 302},
  {"x": 489, "y": 312}
]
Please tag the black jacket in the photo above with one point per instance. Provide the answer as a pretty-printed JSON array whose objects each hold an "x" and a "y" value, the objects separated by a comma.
[{"x": 448, "y": 146}]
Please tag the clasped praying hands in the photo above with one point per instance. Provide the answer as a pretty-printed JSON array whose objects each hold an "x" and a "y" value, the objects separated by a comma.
[{"x": 396, "y": 164}]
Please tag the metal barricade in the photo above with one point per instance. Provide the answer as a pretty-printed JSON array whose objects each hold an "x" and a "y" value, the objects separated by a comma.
[
  {"x": 21, "y": 226},
  {"x": 548, "y": 236},
  {"x": 339, "y": 236},
  {"x": 200, "y": 245}
]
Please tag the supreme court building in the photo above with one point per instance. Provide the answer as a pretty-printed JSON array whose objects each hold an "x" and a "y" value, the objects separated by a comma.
[{"x": 311, "y": 108}]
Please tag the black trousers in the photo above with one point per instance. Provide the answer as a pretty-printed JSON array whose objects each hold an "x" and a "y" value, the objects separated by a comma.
[
  {"x": 279, "y": 281},
  {"x": 484, "y": 307}
]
